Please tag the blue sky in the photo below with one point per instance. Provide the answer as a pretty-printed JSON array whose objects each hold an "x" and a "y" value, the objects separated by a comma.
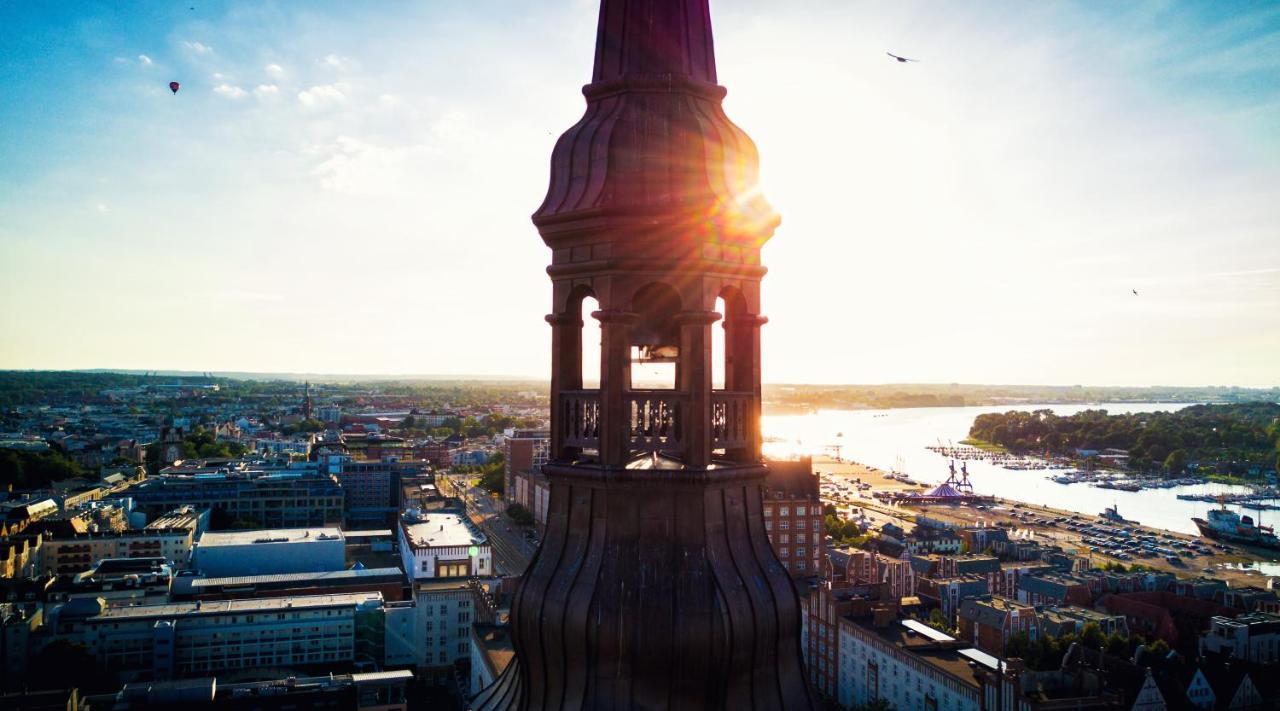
[{"x": 344, "y": 187}]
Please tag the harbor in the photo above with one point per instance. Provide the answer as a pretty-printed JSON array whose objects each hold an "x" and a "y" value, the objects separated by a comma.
[
  {"x": 885, "y": 463},
  {"x": 1111, "y": 535},
  {"x": 908, "y": 441}
]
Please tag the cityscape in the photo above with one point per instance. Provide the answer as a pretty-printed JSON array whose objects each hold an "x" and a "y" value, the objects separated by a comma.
[{"x": 643, "y": 509}]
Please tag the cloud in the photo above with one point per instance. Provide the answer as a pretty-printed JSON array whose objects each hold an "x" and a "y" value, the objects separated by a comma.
[
  {"x": 266, "y": 91},
  {"x": 323, "y": 95},
  {"x": 339, "y": 63},
  {"x": 102, "y": 209},
  {"x": 198, "y": 47},
  {"x": 274, "y": 70},
  {"x": 355, "y": 167},
  {"x": 144, "y": 60},
  {"x": 230, "y": 92}
]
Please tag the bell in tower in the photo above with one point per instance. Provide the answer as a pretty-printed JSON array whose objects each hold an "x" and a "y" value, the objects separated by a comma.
[{"x": 655, "y": 585}]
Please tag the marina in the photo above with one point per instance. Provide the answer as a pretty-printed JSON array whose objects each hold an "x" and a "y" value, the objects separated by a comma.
[{"x": 913, "y": 443}]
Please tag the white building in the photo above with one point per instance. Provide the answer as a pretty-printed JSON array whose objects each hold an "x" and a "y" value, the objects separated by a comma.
[
  {"x": 442, "y": 553},
  {"x": 1253, "y": 638},
  {"x": 264, "y": 552},
  {"x": 443, "y": 545},
  {"x": 908, "y": 664}
]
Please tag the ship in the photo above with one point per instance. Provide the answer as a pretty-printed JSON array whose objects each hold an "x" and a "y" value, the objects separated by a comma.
[
  {"x": 1111, "y": 513},
  {"x": 1227, "y": 525}
]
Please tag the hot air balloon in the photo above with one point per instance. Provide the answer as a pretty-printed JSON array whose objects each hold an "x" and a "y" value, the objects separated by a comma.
[{"x": 173, "y": 86}]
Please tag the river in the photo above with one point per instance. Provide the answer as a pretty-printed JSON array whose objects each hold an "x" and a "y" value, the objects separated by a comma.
[{"x": 879, "y": 438}]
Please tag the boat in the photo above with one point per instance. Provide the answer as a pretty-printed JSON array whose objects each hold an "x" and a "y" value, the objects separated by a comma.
[
  {"x": 1224, "y": 524},
  {"x": 1112, "y": 514}
]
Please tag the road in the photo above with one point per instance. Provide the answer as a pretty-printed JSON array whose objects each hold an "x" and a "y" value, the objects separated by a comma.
[{"x": 511, "y": 550}]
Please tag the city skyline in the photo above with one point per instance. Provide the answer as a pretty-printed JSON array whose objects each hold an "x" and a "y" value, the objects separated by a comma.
[{"x": 323, "y": 193}]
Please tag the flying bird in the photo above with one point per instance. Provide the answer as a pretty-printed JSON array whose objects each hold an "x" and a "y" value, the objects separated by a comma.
[
  {"x": 901, "y": 59},
  {"x": 1135, "y": 292}
]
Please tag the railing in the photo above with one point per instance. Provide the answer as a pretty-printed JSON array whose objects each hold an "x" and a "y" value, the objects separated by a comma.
[
  {"x": 731, "y": 419},
  {"x": 655, "y": 420},
  {"x": 580, "y": 418}
]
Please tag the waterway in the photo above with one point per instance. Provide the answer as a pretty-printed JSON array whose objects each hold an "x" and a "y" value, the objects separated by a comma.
[{"x": 883, "y": 438}]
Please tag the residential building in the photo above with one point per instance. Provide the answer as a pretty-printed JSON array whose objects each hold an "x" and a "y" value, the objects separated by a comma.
[
  {"x": 443, "y": 544},
  {"x": 442, "y": 552},
  {"x": 390, "y": 582},
  {"x": 20, "y": 555},
  {"x": 291, "y": 495},
  {"x": 863, "y": 566},
  {"x": 525, "y": 451},
  {"x": 371, "y": 488},
  {"x": 908, "y": 664},
  {"x": 203, "y": 637},
  {"x": 78, "y": 552},
  {"x": 1053, "y": 589},
  {"x": 369, "y": 691},
  {"x": 1176, "y": 619},
  {"x": 1252, "y": 637},
  {"x": 793, "y": 516},
  {"x": 947, "y": 593},
  {"x": 827, "y": 602},
  {"x": 1059, "y": 620},
  {"x": 988, "y": 622},
  {"x": 269, "y": 551}
]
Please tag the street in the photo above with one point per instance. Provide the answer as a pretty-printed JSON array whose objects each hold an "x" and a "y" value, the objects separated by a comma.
[{"x": 511, "y": 550}]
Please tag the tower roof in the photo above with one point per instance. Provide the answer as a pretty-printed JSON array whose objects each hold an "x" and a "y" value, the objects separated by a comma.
[{"x": 654, "y": 149}]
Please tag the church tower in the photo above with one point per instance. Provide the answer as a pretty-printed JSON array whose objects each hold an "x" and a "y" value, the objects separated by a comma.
[{"x": 655, "y": 585}]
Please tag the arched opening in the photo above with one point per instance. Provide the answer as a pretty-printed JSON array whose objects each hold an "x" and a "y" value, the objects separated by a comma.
[
  {"x": 655, "y": 338},
  {"x": 717, "y": 348},
  {"x": 590, "y": 344}
]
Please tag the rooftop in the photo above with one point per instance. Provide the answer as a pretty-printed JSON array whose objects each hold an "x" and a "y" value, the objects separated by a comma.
[
  {"x": 227, "y": 607},
  {"x": 935, "y": 648},
  {"x": 269, "y": 536},
  {"x": 194, "y": 585},
  {"x": 438, "y": 530}
]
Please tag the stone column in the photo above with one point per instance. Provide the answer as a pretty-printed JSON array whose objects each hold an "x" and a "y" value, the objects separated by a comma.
[
  {"x": 695, "y": 385},
  {"x": 566, "y": 374},
  {"x": 615, "y": 385},
  {"x": 742, "y": 374}
]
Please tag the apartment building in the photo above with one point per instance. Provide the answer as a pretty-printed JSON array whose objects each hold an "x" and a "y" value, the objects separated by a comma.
[
  {"x": 793, "y": 516},
  {"x": 204, "y": 637}
]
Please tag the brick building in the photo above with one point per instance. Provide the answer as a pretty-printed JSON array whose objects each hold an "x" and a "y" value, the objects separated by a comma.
[
  {"x": 793, "y": 516},
  {"x": 523, "y": 481}
]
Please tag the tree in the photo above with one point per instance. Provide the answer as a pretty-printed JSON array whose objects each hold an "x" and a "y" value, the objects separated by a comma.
[
  {"x": 1176, "y": 462},
  {"x": 1091, "y": 636},
  {"x": 521, "y": 515}
]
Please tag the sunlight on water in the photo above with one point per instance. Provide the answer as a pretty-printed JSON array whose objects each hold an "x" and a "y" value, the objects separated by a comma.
[{"x": 880, "y": 438}]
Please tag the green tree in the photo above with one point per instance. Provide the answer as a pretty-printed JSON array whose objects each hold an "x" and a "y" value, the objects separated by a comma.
[
  {"x": 1091, "y": 636},
  {"x": 520, "y": 514},
  {"x": 1176, "y": 462}
]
